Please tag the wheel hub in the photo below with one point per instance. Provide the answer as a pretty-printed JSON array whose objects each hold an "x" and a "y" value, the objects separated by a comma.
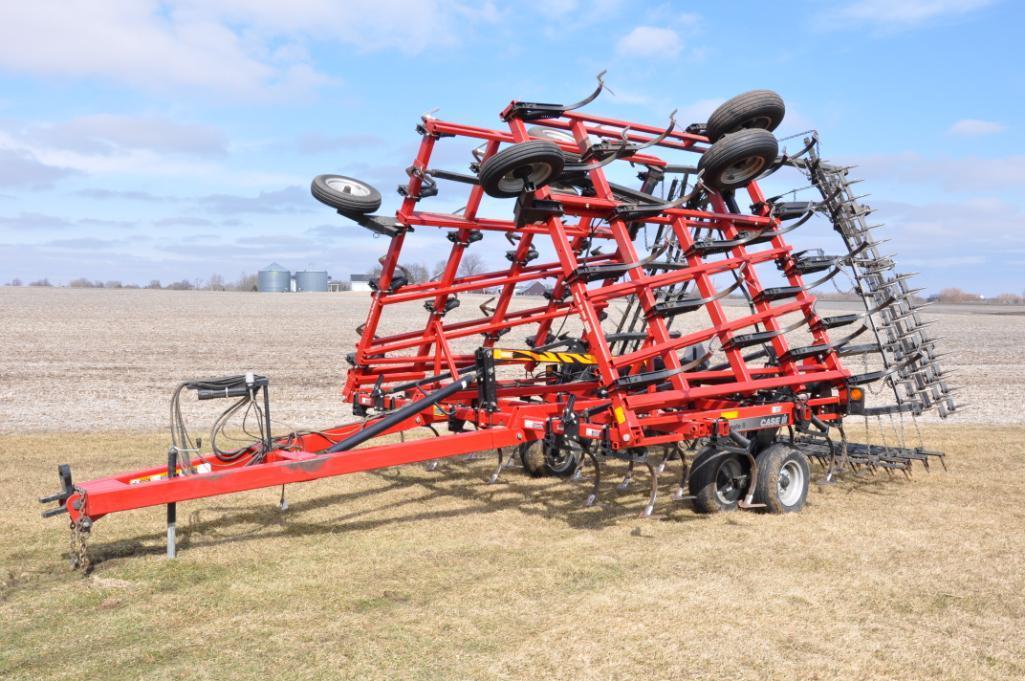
[
  {"x": 348, "y": 187},
  {"x": 729, "y": 481},
  {"x": 743, "y": 170},
  {"x": 790, "y": 485},
  {"x": 529, "y": 174}
]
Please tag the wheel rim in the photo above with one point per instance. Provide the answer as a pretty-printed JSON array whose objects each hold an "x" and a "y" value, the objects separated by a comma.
[
  {"x": 763, "y": 122},
  {"x": 790, "y": 485},
  {"x": 743, "y": 170},
  {"x": 515, "y": 180},
  {"x": 728, "y": 479},
  {"x": 557, "y": 136},
  {"x": 561, "y": 459},
  {"x": 344, "y": 185}
]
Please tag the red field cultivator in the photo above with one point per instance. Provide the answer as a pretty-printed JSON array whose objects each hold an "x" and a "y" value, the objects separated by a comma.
[{"x": 677, "y": 325}]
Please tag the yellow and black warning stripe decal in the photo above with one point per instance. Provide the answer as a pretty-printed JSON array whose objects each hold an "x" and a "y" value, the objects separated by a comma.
[{"x": 548, "y": 357}]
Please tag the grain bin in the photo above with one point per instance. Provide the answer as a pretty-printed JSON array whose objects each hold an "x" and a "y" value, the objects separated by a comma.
[
  {"x": 311, "y": 280},
  {"x": 274, "y": 279}
]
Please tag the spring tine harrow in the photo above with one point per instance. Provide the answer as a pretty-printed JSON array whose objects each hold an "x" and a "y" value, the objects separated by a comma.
[{"x": 595, "y": 371}]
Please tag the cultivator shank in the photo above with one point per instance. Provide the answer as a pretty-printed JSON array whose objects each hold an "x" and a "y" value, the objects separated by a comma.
[{"x": 676, "y": 325}]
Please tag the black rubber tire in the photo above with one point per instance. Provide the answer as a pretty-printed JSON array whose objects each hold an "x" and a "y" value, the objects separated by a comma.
[
  {"x": 533, "y": 459},
  {"x": 755, "y": 109},
  {"x": 738, "y": 158},
  {"x": 538, "y": 465},
  {"x": 553, "y": 135},
  {"x": 776, "y": 468},
  {"x": 541, "y": 159},
  {"x": 328, "y": 189},
  {"x": 564, "y": 465},
  {"x": 706, "y": 483}
]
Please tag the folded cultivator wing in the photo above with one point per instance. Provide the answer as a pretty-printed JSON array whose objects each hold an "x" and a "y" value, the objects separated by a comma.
[{"x": 677, "y": 323}]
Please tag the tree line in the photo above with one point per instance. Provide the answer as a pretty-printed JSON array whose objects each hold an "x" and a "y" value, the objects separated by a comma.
[
  {"x": 954, "y": 296},
  {"x": 470, "y": 265},
  {"x": 418, "y": 273},
  {"x": 216, "y": 282}
]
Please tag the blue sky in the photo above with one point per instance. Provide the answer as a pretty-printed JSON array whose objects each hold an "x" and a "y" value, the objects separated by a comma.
[{"x": 169, "y": 140}]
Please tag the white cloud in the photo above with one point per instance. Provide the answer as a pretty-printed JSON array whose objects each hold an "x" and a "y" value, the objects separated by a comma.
[
  {"x": 971, "y": 127},
  {"x": 130, "y": 42},
  {"x": 36, "y": 155},
  {"x": 889, "y": 15},
  {"x": 951, "y": 261},
  {"x": 650, "y": 41},
  {"x": 41, "y": 221},
  {"x": 109, "y": 133},
  {"x": 952, "y": 228},
  {"x": 21, "y": 168},
  {"x": 952, "y": 174},
  {"x": 698, "y": 112},
  {"x": 233, "y": 48},
  {"x": 288, "y": 200}
]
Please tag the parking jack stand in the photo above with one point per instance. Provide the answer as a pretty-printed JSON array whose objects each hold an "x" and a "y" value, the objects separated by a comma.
[{"x": 172, "y": 508}]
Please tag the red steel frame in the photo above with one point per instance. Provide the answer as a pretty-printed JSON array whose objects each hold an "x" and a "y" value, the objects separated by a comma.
[{"x": 688, "y": 405}]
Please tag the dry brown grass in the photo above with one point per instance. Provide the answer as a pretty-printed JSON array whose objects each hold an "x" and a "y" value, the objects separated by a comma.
[{"x": 410, "y": 574}]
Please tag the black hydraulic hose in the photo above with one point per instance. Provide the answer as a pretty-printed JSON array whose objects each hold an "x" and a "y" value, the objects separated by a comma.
[
  {"x": 399, "y": 415},
  {"x": 430, "y": 379}
]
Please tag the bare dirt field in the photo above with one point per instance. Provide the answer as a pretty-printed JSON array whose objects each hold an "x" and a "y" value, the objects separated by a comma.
[
  {"x": 409, "y": 574},
  {"x": 101, "y": 360}
]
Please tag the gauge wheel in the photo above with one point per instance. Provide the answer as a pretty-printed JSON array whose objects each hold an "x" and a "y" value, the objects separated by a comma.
[
  {"x": 737, "y": 159},
  {"x": 533, "y": 458},
  {"x": 762, "y": 109},
  {"x": 553, "y": 135},
  {"x": 562, "y": 459},
  {"x": 345, "y": 194},
  {"x": 718, "y": 480},
  {"x": 521, "y": 167}
]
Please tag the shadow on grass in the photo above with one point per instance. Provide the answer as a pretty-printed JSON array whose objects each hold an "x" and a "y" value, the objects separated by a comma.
[{"x": 454, "y": 479}]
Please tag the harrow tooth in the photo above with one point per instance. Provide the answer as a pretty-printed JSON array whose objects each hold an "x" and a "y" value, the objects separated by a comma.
[
  {"x": 627, "y": 479},
  {"x": 650, "y": 506},
  {"x": 899, "y": 318}
]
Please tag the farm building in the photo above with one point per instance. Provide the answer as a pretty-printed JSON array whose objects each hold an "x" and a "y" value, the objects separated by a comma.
[
  {"x": 533, "y": 289},
  {"x": 359, "y": 282},
  {"x": 311, "y": 280},
  {"x": 274, "y": 279}
]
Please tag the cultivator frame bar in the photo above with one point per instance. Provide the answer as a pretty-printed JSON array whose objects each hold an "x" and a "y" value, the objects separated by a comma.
[{"x": 617, "y": 389}]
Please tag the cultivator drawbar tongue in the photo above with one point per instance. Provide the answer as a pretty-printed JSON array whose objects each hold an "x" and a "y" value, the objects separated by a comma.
[{"x": 676, "y": 326}]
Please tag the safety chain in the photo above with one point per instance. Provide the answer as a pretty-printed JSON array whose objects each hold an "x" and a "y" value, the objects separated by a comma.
[
  {"x": 79, "y": 536},
  {"x": 79, "y": 549}
]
